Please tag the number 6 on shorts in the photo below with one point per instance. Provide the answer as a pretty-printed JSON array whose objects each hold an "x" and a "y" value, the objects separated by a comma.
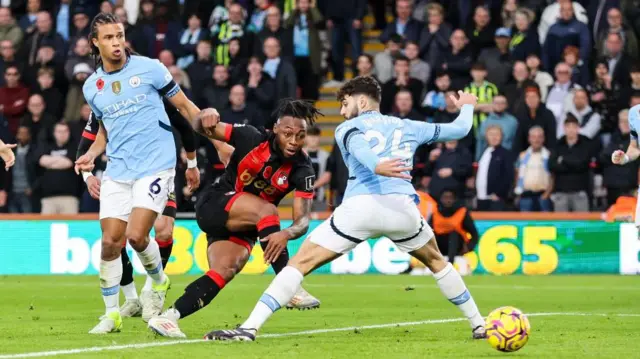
[{"x": 154, "y": 187}]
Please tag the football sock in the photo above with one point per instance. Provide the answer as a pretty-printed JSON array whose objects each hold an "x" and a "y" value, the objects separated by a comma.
[
  {"x": 150, "y": 259},
  {"x": 165, "y": 252},
  {"x": 268, "y": 225},
  {"x": 126, "y": 283},
  {"x": 454, "y": 289},
  {"x": 283, "y": 287},
  {"x": 199, "y": 293},
  {"x": 110, "y": 275},
  {"x": 282, "y": 260}
]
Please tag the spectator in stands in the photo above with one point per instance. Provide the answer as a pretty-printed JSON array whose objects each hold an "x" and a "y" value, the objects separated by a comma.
[
  {"x": 384, "y": 60},
  {"x": 457, "y": 61},
  {"x": 569, "y": 164},
  {"x": 75, "y": 98},
  {"x": 435, "y": 37},
  {"x": 280, "y": 69},
  {"x": 273, "y": 28},
  {"x": 238, "y": 111},
  {"x": 435, "y": 100},
  {"x": 8, "y": 59},
  {"x": 618, "y": 179},
  {"x": 307, "y": 48},
  {"x": 588, "y": 119},
  {"x": 480, "y": 33},
  {"x": 189, "y": 40},
  {"x": 166, "y": 58},
  {"x": 47, "y": 58},
  {"x": 561, "y": 93},
  {"x": 484, "y": 90},
  {"x": 365, "y": 66},
  {"x": 201, "y": 65},
  {"x": 319, "y": 159},
  {"x": 59, "y": 184},
  {"x": 78, "y": 124},
  {"x": 497, "y": 59},
  {"x": 534, "y": 114},
  {"x": 619, "y": 62},
  {"x": 9, "y": 30},
  {"x": 163, "y": 31},
  {"x": 542, "y": 78},
  {"x": 616, "y": 25},
  {"x": 53, "y": 99},
  {"x": 13, "y": 98},
  {"x": 22, "y": 174},
  {"x": 533, "y": 177},
  {"x": 515, "y": 88},
  {"x": 508, "y": 14},
  {"x": 418, "y": 69},
  {"x": 507, "y": 123},
  {"x": 635, "y": 99},
  {"x": 216, "y": 94},
  {"x": 525, "y": 40},
  {"x": 449, "y": 168},
  {"x": 344, "y": 19},
  {"x": 624, "y": 96},
  {"x": 554, "y": 13},
  {"x": 80, "y": 27},
  {"x": 448, "y": 114},
  {"x": 404, "y": 106},
  {"x": 44, "y": 34},
  {"x": 132, "y": 33},
  {"x": 39, "y": 122},
  {"x": 579, "y": 73},
  {"x": 181, "y": 78},
  {"x": 236, "y": 62},
  {"x": 259, "y": 16},
  {"x": 401, "y": 80},
  {"x": 403, "y": 25},
  {"x": 63, "y": 14},
  {"x": 260, "y": 90},
  {"x": 106, "y": 6},
  {"x": 606, "y": 96},
  {"x": 227, "y": 30},
  {"x": 495, "y": 172},
  {"x": 567, "y": 31},
  {"x": 336, "y": 176},
  {"x": 81, "y": 54},
  {"x": 28, "y": 21}
]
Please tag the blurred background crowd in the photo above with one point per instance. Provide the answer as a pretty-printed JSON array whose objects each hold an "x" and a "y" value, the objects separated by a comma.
[{"x": 555, "y": 80}]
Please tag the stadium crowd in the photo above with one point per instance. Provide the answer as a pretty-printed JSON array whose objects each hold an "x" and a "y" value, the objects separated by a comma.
[{"x": 554, "y": 80}]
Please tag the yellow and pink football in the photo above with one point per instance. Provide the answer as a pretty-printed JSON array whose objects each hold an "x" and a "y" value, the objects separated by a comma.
[{"x": 507, "y": 329}]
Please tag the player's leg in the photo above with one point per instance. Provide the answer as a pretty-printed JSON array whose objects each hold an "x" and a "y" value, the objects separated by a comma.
[
  {"x": 451, "y": 285},
  {"x": 247, "y": 211},
  {"x": 132, "y": 306},
  {"x": 163, "y": 228},
  {"x": 226, "y": 259}
]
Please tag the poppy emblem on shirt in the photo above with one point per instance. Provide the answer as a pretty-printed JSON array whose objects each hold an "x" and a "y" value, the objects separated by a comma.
[
  {"x": 100, "y": 84},
  {"x": 134, "y": 81},
  {"x": 267, "y": 172},
  {"x": 116, "y": 87}
]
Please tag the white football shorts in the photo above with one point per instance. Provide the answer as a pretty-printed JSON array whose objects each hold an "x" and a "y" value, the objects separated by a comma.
[
  {"x": 118, "y": 198},
  {"x": 362, "y": 217}
]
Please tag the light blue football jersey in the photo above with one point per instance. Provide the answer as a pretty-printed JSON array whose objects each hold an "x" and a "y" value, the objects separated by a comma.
[
  {"x": 634, "y": 121},
  {"x": 388, "y": 137},
  {"x": 129, "y": 104}
]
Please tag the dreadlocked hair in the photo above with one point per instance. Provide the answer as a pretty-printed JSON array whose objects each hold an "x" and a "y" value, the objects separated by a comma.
[
  {"x": 303, "y": 109},
  {"x": 102, "y": 18}
]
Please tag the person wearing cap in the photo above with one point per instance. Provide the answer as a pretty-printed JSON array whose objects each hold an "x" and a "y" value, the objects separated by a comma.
[
  {"x": 497, "y": 59},
  {"x": 480, "y": 32}
]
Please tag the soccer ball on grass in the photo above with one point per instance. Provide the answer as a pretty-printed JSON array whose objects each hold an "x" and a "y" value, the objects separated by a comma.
[{"x": 507, "y": 329}]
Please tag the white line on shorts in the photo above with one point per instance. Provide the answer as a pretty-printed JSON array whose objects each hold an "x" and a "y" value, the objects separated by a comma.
[{"x": 280, "y": 335}]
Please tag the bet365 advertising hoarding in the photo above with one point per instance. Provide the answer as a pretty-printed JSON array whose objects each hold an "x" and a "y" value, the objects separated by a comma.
[{"x": 505, "y": 247}]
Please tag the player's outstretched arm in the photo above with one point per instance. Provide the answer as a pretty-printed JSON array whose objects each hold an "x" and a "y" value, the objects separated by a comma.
[{"x": 461, "y": 126}]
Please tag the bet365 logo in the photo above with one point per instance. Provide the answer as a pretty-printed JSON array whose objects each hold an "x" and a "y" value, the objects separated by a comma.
[{"x": 247, "y": 179}]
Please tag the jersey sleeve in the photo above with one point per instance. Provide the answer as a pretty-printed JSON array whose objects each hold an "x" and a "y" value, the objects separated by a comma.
[
  {"x": 163, "y": 81},
  {"x": 459, "y": 128},
  {"x": 304, "y": 179},
  {"x": 241, "y": 135},
  {"x": 634, "y": 120},
  {"x": 89, "y": 95},
  {"x": 425, "y": 132},
  {"x": 351, "y": 141},
  {"x": 88, "y": 135}
]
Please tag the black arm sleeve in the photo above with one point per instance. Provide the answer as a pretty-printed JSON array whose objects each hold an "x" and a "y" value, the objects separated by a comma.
[
  {"x": 88, "y": 135},
  {"x": 186, "y": 131}
]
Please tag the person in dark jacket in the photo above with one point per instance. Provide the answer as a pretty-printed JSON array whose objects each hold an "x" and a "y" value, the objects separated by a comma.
[
  {"x": 567, "y": 31},
  {"x": 569, "y": 163},
  {"x": 216, "y": 94},
  {"x": 189, "y": 40},
  {"x": 280, "y": 69},
  {"x": 400, "y": 80},
  {"x": 448, "y": 115},
  {"x": 273, "y": 28},
  {"x": 514, "y": 90},
  {"x": 450, "y": 169},
  {"x": 201, "y": 65},
  {"x": 457, "y": 61},
  {"x": 494, "y": 177},
  {"x": 534, "y": 114},
  {"x": 480, "y": 33},
  {"x": 434, "y": 38},
  {"x": 404, "y": 25},
  {"x": 497, "y": 59},
  {"x": 525, "y": 39},
  {"x": 239, "y": 112},
  {"x": 133, "y": 33},
  {"x": 260, "y": 91},
  {"x": 22, "y": 174},
  {"x": 618, "y": 179},
  {"x": 44, "y": 34},
  {"x": 404, "y": 107}
]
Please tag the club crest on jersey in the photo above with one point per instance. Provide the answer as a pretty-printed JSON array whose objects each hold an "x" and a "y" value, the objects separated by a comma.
[
  {"x": 100, "y": 84},
  {"x": 116, "y": 87},
  {"x": 282, "y": 180},
  {"x": 134, "y": 81}
]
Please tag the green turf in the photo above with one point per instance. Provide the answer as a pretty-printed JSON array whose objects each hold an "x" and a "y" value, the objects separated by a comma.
[{"x": 55, "y": 313}]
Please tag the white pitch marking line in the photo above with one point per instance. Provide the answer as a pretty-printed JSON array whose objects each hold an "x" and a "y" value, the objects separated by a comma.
[{"x": 280, "y": 335}]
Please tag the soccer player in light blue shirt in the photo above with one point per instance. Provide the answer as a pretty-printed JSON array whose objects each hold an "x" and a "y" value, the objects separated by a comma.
[
  {"x": 125, "y": 94},
  {"x": 621, "y": 158},
  {"x": 379, "y": 201}
]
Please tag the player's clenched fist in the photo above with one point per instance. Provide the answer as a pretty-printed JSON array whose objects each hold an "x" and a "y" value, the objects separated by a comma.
[
  {"x": 619, "y": 157},
  {"x": 209, "y": 118}
]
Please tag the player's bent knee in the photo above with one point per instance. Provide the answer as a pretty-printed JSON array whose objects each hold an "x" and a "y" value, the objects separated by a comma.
[
  {"x": 268, "y": 209},
  {"x": 111, "y": 247},
  {"x": 136, "y": 238}
]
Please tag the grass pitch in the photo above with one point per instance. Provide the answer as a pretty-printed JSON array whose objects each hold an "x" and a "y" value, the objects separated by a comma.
[{"x": 366, "y": 316}]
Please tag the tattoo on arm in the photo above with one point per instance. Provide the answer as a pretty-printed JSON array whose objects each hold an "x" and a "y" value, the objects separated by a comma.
[{"x": 301, "y": 214}]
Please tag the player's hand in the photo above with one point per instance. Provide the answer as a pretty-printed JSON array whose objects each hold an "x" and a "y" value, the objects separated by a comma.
[
  {"x": 93, "y": 186},
  {"x": 276, "y": 243},
  {"x": 464, "y": 99},
  {"x": 84, "y": 163},
  {"x": 193, "y": 178},
  {"x": 617, "y": 157},
  {"x": 7, "y": 155},
  {"x": 209, "y": 119},
  {"x": 394, "y": 168}
]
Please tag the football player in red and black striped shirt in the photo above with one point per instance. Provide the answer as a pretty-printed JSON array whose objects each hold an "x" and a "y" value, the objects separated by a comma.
[{"x": 242, "y": 205}]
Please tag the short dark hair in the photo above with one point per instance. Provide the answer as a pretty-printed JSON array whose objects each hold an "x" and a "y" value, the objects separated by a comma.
[
  {"x": 570, "y": 118},
  {"x": 634, "y": 68},
  {"x": 478, "y": 66},
  {"x": 361, "y": 85},
  {"x": 441, "y": 73},
  {"x": 302, "y": 109},
  {"x": 313, "y": 131},
  {"x": 396, "y": 39},
  {"x": 369, "y": 57},
  {"x": 400, "y": 57},
  {"x": 635, "y": 93}
]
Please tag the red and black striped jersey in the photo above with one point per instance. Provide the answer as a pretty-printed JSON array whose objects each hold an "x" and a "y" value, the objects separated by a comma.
[{"x": 258, "y": 166}]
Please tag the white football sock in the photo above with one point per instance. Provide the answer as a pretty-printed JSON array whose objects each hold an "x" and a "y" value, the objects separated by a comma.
[
  {"x": 152, "y": 263},
  {"x": 129, "y": 291},
  {"x": 453, "y": 288},
  {"x": 110, "y": 276},
  {"x": 148, "y": 284},
  {"x": 285, "y": 285}
]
